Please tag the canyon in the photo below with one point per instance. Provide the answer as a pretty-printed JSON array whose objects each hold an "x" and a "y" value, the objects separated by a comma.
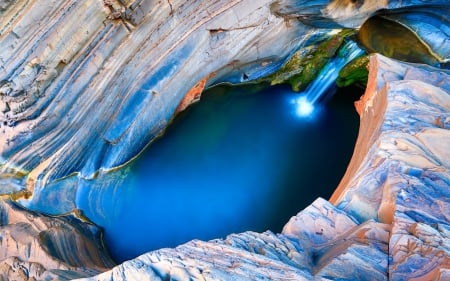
[{"x": 86, "y": 86}]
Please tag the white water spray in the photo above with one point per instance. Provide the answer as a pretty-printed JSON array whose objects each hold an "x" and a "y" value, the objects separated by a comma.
[{"x": 317, "y": 90}]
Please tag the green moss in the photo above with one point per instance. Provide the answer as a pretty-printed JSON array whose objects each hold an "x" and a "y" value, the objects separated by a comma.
[
  {"x": 304, "y": 66},
  {"x": 354, "y": 72}
]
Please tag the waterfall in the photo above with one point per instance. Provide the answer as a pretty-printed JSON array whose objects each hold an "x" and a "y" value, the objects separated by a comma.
[{"x": 319, "y": 89}]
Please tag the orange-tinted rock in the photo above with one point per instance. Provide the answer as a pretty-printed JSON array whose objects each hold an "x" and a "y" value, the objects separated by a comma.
[
  {"x": 193, "y": 94},
  {"x": 391, "y": 213}
]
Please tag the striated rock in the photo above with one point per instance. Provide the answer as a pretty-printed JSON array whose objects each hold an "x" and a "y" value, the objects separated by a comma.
[
  {"x": 103, "y": 79},
  {"x": 391, "y": 214},
  {"x": 85, "y": 85},
  {"x": 402, "y": 145},
  {"x": 38, "y": 247},
  {"x": 320, "y": 248},
  {"x": 400, "y": 170}
]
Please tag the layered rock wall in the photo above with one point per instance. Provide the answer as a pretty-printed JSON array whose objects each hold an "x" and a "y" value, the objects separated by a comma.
[
  {"x": 88, "y": 84},
  {"x": 390, "y": 219},
  {"x": 85, "y": 85}
]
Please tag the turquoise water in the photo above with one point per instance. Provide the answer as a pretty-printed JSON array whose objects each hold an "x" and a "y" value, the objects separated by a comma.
[{"x": 241, "y": 159}]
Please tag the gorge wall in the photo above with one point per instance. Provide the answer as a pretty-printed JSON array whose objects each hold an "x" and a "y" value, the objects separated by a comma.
[
  {"x": 390, "y": 215},
  {"x": 86, "y": 85}
]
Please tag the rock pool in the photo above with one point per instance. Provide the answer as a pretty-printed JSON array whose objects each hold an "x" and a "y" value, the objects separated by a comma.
[{"x": 240, "y": 159}]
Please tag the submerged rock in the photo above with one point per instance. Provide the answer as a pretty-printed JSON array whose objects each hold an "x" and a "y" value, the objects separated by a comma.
[{"x": 390, "y": 218}]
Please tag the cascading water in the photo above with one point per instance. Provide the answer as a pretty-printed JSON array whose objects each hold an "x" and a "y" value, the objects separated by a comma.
[{"x": 319, "y": 89}]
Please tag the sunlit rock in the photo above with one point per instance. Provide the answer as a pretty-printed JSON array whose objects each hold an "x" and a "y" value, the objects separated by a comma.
[
  {"x": 85, "y": 85},
  {"x": 404, "y": 145},
  {"x": 38, "y": 247},
  {"x": 399, "y": 173},
  {"x": 391, "y": 214}
]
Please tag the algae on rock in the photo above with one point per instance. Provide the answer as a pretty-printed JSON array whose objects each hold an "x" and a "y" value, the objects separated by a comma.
[
  {"x": 305, "y": 64},
  {"x": 355, "y": 72},
  {"x": 382, "y": 35}
]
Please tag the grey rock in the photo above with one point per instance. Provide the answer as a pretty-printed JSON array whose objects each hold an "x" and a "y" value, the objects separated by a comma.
[
  {"x": 85, "y": 85},
  {"x": 390, "y": 218},
  {"x": 37, "y": 247},
  {"x": 89, "y": 84},
  {"x": 266, "y": 256}
]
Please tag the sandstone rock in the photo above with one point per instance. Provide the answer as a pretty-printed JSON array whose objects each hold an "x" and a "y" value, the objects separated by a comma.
[
  {"x": 89, "y": 84},
  {"x": 38, "y": 247},
  {"x": 85, "y": 85},
  {"x": 403, "y": 178},
  {"x": 391, "y": 218}
]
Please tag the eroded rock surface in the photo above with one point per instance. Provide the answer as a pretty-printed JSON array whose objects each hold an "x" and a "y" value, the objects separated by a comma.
[
  {"x": 319, "y": 242},
  {"x": 392, "y": 207},
  {"x": 85, "y": 85},
  {"x": 399, "y": 173},
  {"x": 38, "y": 247},
  {"x": 89, "y": 84}
]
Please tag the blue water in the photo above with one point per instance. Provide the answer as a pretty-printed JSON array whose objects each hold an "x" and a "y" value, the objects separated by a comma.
[{"x": 240, "y": 159}]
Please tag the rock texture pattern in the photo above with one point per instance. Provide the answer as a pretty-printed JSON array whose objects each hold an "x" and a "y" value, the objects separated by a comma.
[
  {"x": 38, "y": 247},
  {"x": 85, "y": 85},
  {"x": 97, "y": 80},
  {"x": 88, "y": 84},
  {"x": 390, "y": 219},
  {"x": 400, "y": 170}
]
